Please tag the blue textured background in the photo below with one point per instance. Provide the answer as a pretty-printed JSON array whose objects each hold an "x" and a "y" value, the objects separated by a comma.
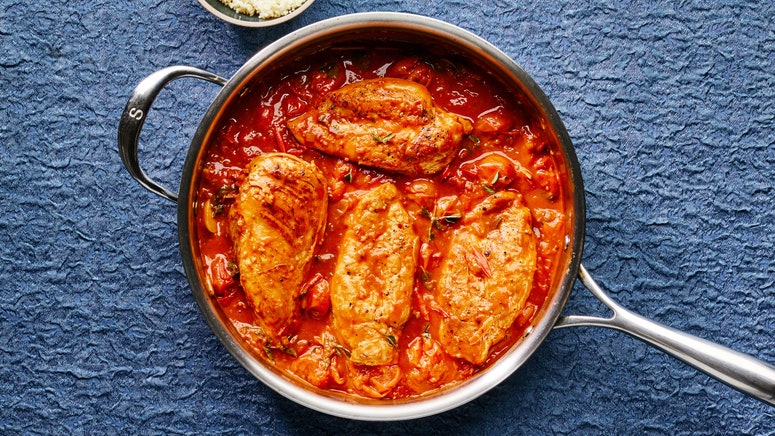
[{"x": 671, "y": 109}]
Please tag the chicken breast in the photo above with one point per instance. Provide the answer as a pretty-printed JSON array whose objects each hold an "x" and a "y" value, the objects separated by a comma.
[
  {"x": 276, "y": 221},
  {"x": 386, "y": 123},
  {"x": 374, "y": 275},
  {"x": 485, "y": 278}
]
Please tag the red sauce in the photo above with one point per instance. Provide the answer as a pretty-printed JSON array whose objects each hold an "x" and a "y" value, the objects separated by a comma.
[{"x": 508, "y": 150}]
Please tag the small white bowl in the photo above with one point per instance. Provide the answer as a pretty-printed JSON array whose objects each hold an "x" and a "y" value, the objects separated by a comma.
[{"x": 228, "y": 14}]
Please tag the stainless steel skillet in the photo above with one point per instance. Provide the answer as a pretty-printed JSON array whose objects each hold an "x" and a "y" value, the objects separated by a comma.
[{"x": 738, "y": 370}]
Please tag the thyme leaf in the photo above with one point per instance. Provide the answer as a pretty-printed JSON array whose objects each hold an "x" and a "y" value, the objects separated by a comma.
[
  {"x": 450, "y": 219},
  {"x": 440, "y": 223},
  {"x": 382, "y": 138},
  {"x": 495, "y": 178},
  {"x": 392, "y": 340},
  {"x": 269, "y": 353},
  {"x": 232, "y": 269},
  {"x": 225, "y": 195},
  {"x": 425, "y": 276},
  {"x": 342, "y": 350}
]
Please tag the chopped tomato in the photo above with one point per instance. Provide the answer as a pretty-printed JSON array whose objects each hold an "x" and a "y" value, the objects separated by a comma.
[
  {"x": 412, "y": 68},
  {"x": 327, "y": 79},
  {"x": 526, "y": 315},
  {"x": 494, "y": 170},
  {"x": 222, "y": 273},
  {"x": 494, "y": 121},
  {"x": 316, "y": 297}
]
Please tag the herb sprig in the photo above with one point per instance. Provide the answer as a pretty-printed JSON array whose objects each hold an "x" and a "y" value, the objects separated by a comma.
[
  {"x": 439, "y": 223},
  {"x": 382, "y": 139}
]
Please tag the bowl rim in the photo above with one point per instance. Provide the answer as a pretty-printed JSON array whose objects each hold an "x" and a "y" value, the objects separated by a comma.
[
  {"x": 229, "y": 15},
  {"x": 445, "y": 399}
]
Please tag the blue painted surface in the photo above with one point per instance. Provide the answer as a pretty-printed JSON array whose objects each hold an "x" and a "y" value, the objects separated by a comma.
[{"x": 671, "y": 109}]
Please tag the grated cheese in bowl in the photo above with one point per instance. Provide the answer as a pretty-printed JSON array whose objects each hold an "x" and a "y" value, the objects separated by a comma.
[{"x": 264, "y": 9}]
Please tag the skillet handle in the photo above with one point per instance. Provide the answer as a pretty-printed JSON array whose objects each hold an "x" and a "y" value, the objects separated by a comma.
[
  {"x": 136, "y": 111},
  {"x": 738, "y": 370}
]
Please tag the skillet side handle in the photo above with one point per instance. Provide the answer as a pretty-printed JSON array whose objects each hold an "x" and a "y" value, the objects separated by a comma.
[
  {"x": 740, "y": 371},
  {"x": 136, "y": 111}
]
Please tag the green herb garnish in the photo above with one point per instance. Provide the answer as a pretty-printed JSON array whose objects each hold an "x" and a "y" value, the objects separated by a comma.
[
  {"x": 382, "y": 139},
  {"x": 425, "y": 276},
  {"x": 232, "y": 269},
  {"x": 440, "y": 223},
  {"x": 342, "y": 350},
  {"x": 269, "y": 353},
  {"x": 392, "y": 341},
  {"x": 450, "y": 219},
  {"x": 495, "y": 178},
  {"x": 226, "y": 194}
]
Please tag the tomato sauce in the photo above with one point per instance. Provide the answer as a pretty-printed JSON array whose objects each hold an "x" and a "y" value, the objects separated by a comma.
[{"x": 508, "y": 149}]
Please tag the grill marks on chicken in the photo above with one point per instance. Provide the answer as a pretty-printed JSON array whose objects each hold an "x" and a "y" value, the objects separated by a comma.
[
  {"x": 276, "y": 221},
  {"x": 486, "y": 277},
  {"x": 372, "y": 284},
  {"x": 387, "y": 123}
]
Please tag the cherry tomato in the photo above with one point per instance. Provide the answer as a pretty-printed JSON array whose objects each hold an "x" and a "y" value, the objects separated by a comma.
[
  {"x": 294, "y": 105},
  {"x": 327, "y": 79}
]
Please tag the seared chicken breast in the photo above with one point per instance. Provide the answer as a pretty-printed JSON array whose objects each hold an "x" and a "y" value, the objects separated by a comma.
[
  {"x": 386, "y": 123},
  {"x": 374, "y": 275},
  {"x": 486, "y": 277},
  {"x": 277, "y": 219}
]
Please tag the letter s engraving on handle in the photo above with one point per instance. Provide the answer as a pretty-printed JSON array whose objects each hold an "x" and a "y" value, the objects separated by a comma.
[{"x": 136, "y": 113}]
